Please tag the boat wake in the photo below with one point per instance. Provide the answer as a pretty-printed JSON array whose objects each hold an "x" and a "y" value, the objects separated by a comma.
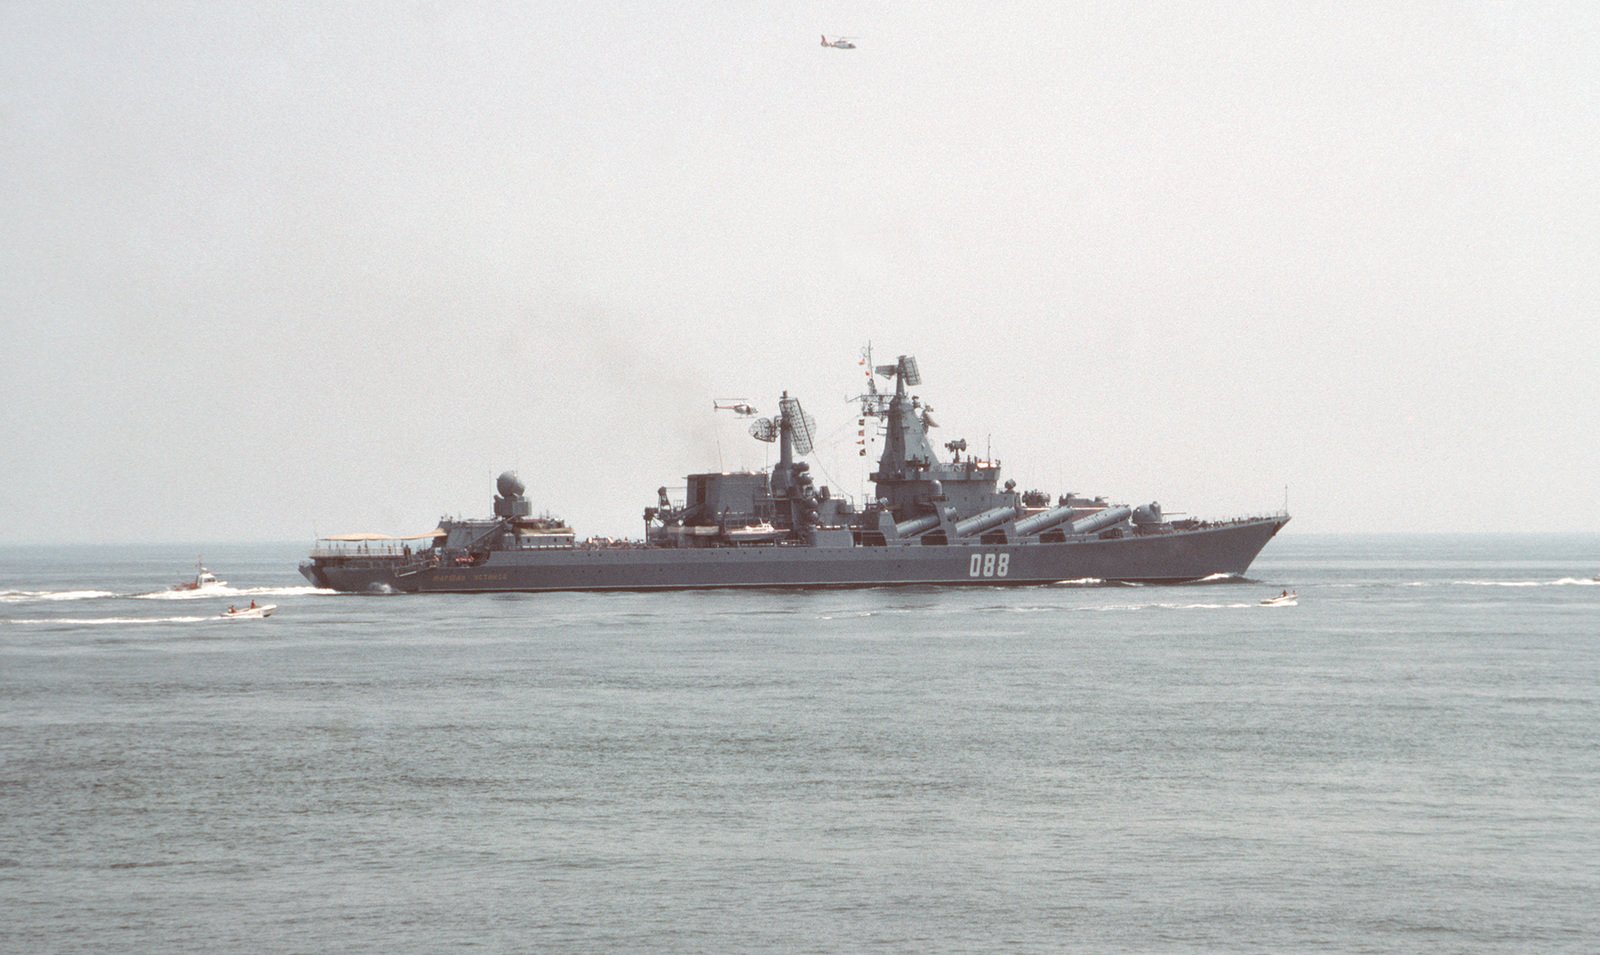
[
  {"x": 225, "y": 591},
  {"x": 32, "y": 596},
  {"x": 92, "y": 621},
  {"x": 1167, "y": 606},
  {"x": 204, "y": 593},
  {"x": 194, "y": 593},
  {"x": 1098, "y": 582},
  {"x": 1104, "y": 608}
]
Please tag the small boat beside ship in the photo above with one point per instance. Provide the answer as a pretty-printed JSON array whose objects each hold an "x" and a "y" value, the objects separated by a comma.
[
  {"x": 203, "y": 578},
  {"x": 252, "y": 612},
  {"x": 1288, "y": 598}
]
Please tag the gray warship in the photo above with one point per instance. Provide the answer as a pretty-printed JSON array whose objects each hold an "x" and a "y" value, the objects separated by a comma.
[{"x": 932, "y": 521}]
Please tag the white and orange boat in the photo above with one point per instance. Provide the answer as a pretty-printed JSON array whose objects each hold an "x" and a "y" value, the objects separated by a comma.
[{"x": 202, "y": 579}]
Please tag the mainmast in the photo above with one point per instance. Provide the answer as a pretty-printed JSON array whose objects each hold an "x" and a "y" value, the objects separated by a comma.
[
  {"x": 793, "y": 489},
  {"x": 783, "y": 474}
]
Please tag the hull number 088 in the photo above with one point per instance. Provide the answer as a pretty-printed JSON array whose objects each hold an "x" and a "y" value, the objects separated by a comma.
[{"x": 989, "y": 565}]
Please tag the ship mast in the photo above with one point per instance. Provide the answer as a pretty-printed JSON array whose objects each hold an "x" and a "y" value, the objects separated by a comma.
[
  {"x": 791, "y": 484},
  {"x": 905, "y": 448},
  {"x": 783, "y": 474},
  {"x": 910, "y": 476}
]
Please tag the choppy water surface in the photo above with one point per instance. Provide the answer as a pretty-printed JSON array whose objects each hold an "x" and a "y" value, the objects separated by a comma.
[{"x": 1406, "y": 760}]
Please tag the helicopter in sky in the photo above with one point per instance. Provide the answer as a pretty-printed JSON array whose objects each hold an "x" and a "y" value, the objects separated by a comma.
[
  {"x": 839, "y": 42},
  {"x": 738, "y": 406}
]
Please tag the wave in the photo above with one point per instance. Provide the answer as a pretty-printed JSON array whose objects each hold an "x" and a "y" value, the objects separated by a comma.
[
  {"x": 30, "y": 596},
  {"x": 1562, "y": 582},
  {"x": 1224, "y": 579}
]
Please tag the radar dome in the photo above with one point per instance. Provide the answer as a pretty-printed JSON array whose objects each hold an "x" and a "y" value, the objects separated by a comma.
[{"x": 509, "y": 486}]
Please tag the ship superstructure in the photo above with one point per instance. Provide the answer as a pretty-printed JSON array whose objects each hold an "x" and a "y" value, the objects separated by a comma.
[{"x": 931, "y": 521}]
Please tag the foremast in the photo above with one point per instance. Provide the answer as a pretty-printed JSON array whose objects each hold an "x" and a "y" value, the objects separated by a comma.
[{"x": 910, "y": 479}]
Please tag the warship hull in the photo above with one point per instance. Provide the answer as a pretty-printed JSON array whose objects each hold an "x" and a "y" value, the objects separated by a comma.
[
  {"x": 928, "y": 522},
  {"x": 1167, "y": 558}
]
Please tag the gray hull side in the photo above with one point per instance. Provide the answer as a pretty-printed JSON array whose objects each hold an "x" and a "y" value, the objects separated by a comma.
[{"x": 1189, "y": 555}]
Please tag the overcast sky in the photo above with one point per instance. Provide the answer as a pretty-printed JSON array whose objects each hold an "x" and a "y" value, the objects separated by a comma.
[{"x": 272, "y": 269}]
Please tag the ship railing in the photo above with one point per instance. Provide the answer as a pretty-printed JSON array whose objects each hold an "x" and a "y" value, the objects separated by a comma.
[
  {"x": 326, "y": 548},
  {"x": 546, "y": 542},
  {"x": 1244, "y": 519}
]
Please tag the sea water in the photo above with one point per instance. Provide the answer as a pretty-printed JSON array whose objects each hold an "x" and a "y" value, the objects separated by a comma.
[{"x": 1405, "y": 759}]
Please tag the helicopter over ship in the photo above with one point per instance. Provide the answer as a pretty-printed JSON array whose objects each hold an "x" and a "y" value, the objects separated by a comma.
[{"x": 839, "y": 43}]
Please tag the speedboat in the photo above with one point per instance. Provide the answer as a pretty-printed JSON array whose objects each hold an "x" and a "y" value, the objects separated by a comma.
[
  {"x": 1285, "y": 599},
  {"x": 249, "y": 613},
  {"x": 202, "y": 578}
]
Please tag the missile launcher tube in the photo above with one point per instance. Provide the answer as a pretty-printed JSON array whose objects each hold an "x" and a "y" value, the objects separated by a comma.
[
  {"x": 1100, "y": 521},
  {"x": 1044, "y": 520},
  {"x": 917, "y": 525},
  {"x": 978, "y": 523}
]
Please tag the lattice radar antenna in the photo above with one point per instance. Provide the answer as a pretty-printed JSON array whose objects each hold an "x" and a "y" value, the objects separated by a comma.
[
  {"x": 906, "y": 368},
  {"x": 764, "y": 429},
  {"x": 801, "y": 425},
  {"x": 909, "y": 372}
]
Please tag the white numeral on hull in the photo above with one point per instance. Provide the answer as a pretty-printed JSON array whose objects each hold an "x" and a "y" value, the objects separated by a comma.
[{"x": 989, "y": 565}]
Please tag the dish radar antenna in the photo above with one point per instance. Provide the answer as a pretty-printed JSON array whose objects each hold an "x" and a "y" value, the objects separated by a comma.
[{"x": 764, "y": 429}]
